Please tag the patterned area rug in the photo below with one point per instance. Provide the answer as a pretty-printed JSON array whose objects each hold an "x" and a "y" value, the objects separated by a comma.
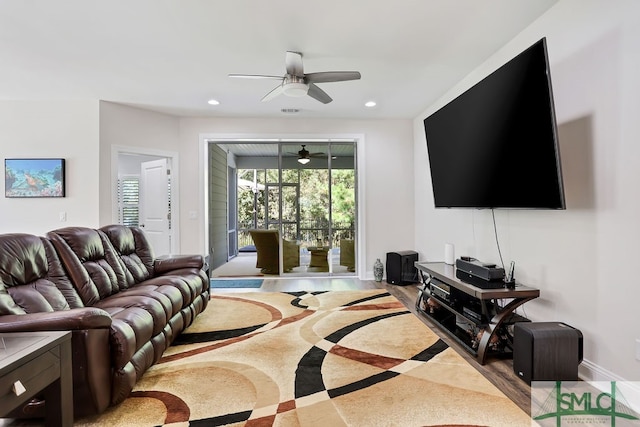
[{"x": 338, "y": 358}]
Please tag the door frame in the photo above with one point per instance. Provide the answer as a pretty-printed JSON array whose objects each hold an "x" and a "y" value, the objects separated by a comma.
[
  {"x": 221, "y": 138},
  {"x": 173, "y": 160},
  {"x": 232, "y": 200}
]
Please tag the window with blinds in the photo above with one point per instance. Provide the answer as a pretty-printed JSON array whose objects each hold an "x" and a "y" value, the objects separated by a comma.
[{"x": 129, "y": 200}]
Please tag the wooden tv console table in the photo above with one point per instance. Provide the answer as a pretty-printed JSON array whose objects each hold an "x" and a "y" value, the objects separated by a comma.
[{"x": 475, "y": 317}]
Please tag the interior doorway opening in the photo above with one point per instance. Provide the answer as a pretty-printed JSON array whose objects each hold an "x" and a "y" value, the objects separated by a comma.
[{"x": 145, "y": 195}]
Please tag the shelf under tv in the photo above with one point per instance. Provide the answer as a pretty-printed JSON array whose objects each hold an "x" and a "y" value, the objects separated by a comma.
[{"x": 472, "y": 316}]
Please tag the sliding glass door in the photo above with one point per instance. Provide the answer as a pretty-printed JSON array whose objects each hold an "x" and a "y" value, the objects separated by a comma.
[
  {"x": 315, "y": 210},
  {"x": 343, "y": 207},
  {"x": 307, "y": 192}
]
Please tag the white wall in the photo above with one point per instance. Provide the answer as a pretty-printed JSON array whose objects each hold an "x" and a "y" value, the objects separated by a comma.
[
  {"x": 387, "y": 152},
  {"x": 129, "y": 164},
  {"x": 145, "y": 131},
  {"x": 66, "y": 129},
  {"x": 388, "y": 181},
  {"x": 582, "y": 259}
]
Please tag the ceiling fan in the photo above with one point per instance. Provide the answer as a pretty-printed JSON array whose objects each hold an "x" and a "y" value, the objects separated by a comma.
[
  {"x": 296, "y": 83},
  {"x": 304, "y": 156}
]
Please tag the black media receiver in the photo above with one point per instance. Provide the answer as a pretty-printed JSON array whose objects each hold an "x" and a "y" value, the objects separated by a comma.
[
  {"x": 479, "y": 269},
  {"x": 478, "y": 282}
]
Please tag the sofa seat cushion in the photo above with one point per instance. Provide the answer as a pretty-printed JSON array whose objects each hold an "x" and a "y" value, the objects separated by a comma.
[
  {"x": 122, "y": 301},
  {"x": 170, "y": 297},
  {"x": 197, "y": 280},
  {"x": 190, "y": 283}
]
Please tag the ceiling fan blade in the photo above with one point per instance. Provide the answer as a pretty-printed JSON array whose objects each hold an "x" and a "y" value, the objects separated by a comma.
[
  {"x": 293, "y": 63},
  {"x": 255, "y": 76},
  {"x": 274, "y": 93},
  {"x": 332, "y": 76},
  {"x": 316, "y": 93}
]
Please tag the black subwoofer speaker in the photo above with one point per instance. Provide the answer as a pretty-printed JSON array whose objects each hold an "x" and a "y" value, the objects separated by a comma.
[
  {"x": 546, "y": 351},
  {"x": 401, "y": 268}
]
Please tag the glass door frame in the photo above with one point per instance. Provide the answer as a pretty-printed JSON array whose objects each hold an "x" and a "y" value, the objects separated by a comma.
[
  {"x": 279, "y": 222},
  {"x": 273, "y": 223}
]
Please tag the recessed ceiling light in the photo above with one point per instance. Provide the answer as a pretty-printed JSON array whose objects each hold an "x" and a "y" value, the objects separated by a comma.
[
  {"x": 213, "y": 102},
  {"x": 370, "y": 104}
]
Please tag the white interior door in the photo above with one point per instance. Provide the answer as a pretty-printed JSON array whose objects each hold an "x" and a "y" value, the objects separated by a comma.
[{"x": 155, "y": 215}]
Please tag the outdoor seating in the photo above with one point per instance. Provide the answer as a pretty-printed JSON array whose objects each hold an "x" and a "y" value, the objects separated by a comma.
[
  {"x": 268, "y": 250},
  {"x": 348, "y": 254}
]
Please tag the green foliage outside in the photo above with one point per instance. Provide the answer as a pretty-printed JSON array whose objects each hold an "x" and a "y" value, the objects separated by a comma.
[{"x": 313, "y": 200}]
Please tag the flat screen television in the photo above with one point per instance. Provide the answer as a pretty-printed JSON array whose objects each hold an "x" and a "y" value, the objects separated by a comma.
[{"x": 495, "y": 145}]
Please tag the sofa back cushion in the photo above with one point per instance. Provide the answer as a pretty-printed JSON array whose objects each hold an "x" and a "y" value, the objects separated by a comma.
[
  {"x": 32, "y": 279},
  {"x": 90, "y": 262},
  {"x": 133, "y": 248}
]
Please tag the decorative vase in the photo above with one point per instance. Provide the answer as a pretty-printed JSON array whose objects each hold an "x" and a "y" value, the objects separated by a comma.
[{"x": 378, "y": 270}]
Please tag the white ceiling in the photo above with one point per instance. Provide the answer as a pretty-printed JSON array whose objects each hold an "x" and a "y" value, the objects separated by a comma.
[{"x": 174, "y": 55}]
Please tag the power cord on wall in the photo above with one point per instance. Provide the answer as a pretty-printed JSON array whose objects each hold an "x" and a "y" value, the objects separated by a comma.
[{"x": 495, "y": 231}]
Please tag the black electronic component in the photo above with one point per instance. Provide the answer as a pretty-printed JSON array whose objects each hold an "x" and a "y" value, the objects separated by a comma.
[
  {"x": 546, "y": 351},
  {"x": 401, "y": 269},
  {"x": 480, "y": 269}
]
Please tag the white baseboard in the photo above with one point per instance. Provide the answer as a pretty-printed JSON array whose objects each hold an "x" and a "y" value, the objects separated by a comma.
[{"x": 589, "y": 371}]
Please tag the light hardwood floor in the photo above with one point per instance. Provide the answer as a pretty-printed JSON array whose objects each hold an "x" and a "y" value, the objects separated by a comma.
[{"x": 497, "y": 371}]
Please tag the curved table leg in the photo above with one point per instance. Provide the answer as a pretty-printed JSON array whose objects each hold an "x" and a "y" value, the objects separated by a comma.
[{"x": 495, "y": 324}]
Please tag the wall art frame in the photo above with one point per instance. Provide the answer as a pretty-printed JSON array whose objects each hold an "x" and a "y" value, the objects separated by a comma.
[{"x": 34, "y": 177}]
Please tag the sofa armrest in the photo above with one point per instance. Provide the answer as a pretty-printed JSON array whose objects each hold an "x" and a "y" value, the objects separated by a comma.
[
  {"x": 169, "y": 263},
  {"x": 66, "y": 320}
]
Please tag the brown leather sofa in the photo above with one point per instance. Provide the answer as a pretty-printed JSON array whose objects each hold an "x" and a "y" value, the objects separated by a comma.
[{"x": 123, "y": 306}]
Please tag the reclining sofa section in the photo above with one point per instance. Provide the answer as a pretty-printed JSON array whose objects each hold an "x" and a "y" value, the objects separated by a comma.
[{"x": 123, "y": 306}]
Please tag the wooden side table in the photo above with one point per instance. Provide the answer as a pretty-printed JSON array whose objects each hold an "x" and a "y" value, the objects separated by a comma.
[{"x": 32, "y": 363}]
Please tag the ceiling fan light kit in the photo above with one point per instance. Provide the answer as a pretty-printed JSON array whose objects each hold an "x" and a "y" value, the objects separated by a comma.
[
  {"x": 303, "y": 156},
  {"x": 295, "y": 90},
  {"x": 296, "y": 83}
]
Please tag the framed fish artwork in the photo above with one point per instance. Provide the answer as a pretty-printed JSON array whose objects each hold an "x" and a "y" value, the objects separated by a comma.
[{"x": 34, "y": 178}]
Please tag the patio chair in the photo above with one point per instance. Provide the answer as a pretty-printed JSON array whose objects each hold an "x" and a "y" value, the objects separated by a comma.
[
  {"x": 267, "y": 248},
  {"x": 348, "y": 254}
]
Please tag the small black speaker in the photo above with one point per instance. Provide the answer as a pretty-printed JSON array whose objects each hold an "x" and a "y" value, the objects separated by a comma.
[
  {"x": 401, "y": 268},
  {"x": 546, "y": 351}
]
